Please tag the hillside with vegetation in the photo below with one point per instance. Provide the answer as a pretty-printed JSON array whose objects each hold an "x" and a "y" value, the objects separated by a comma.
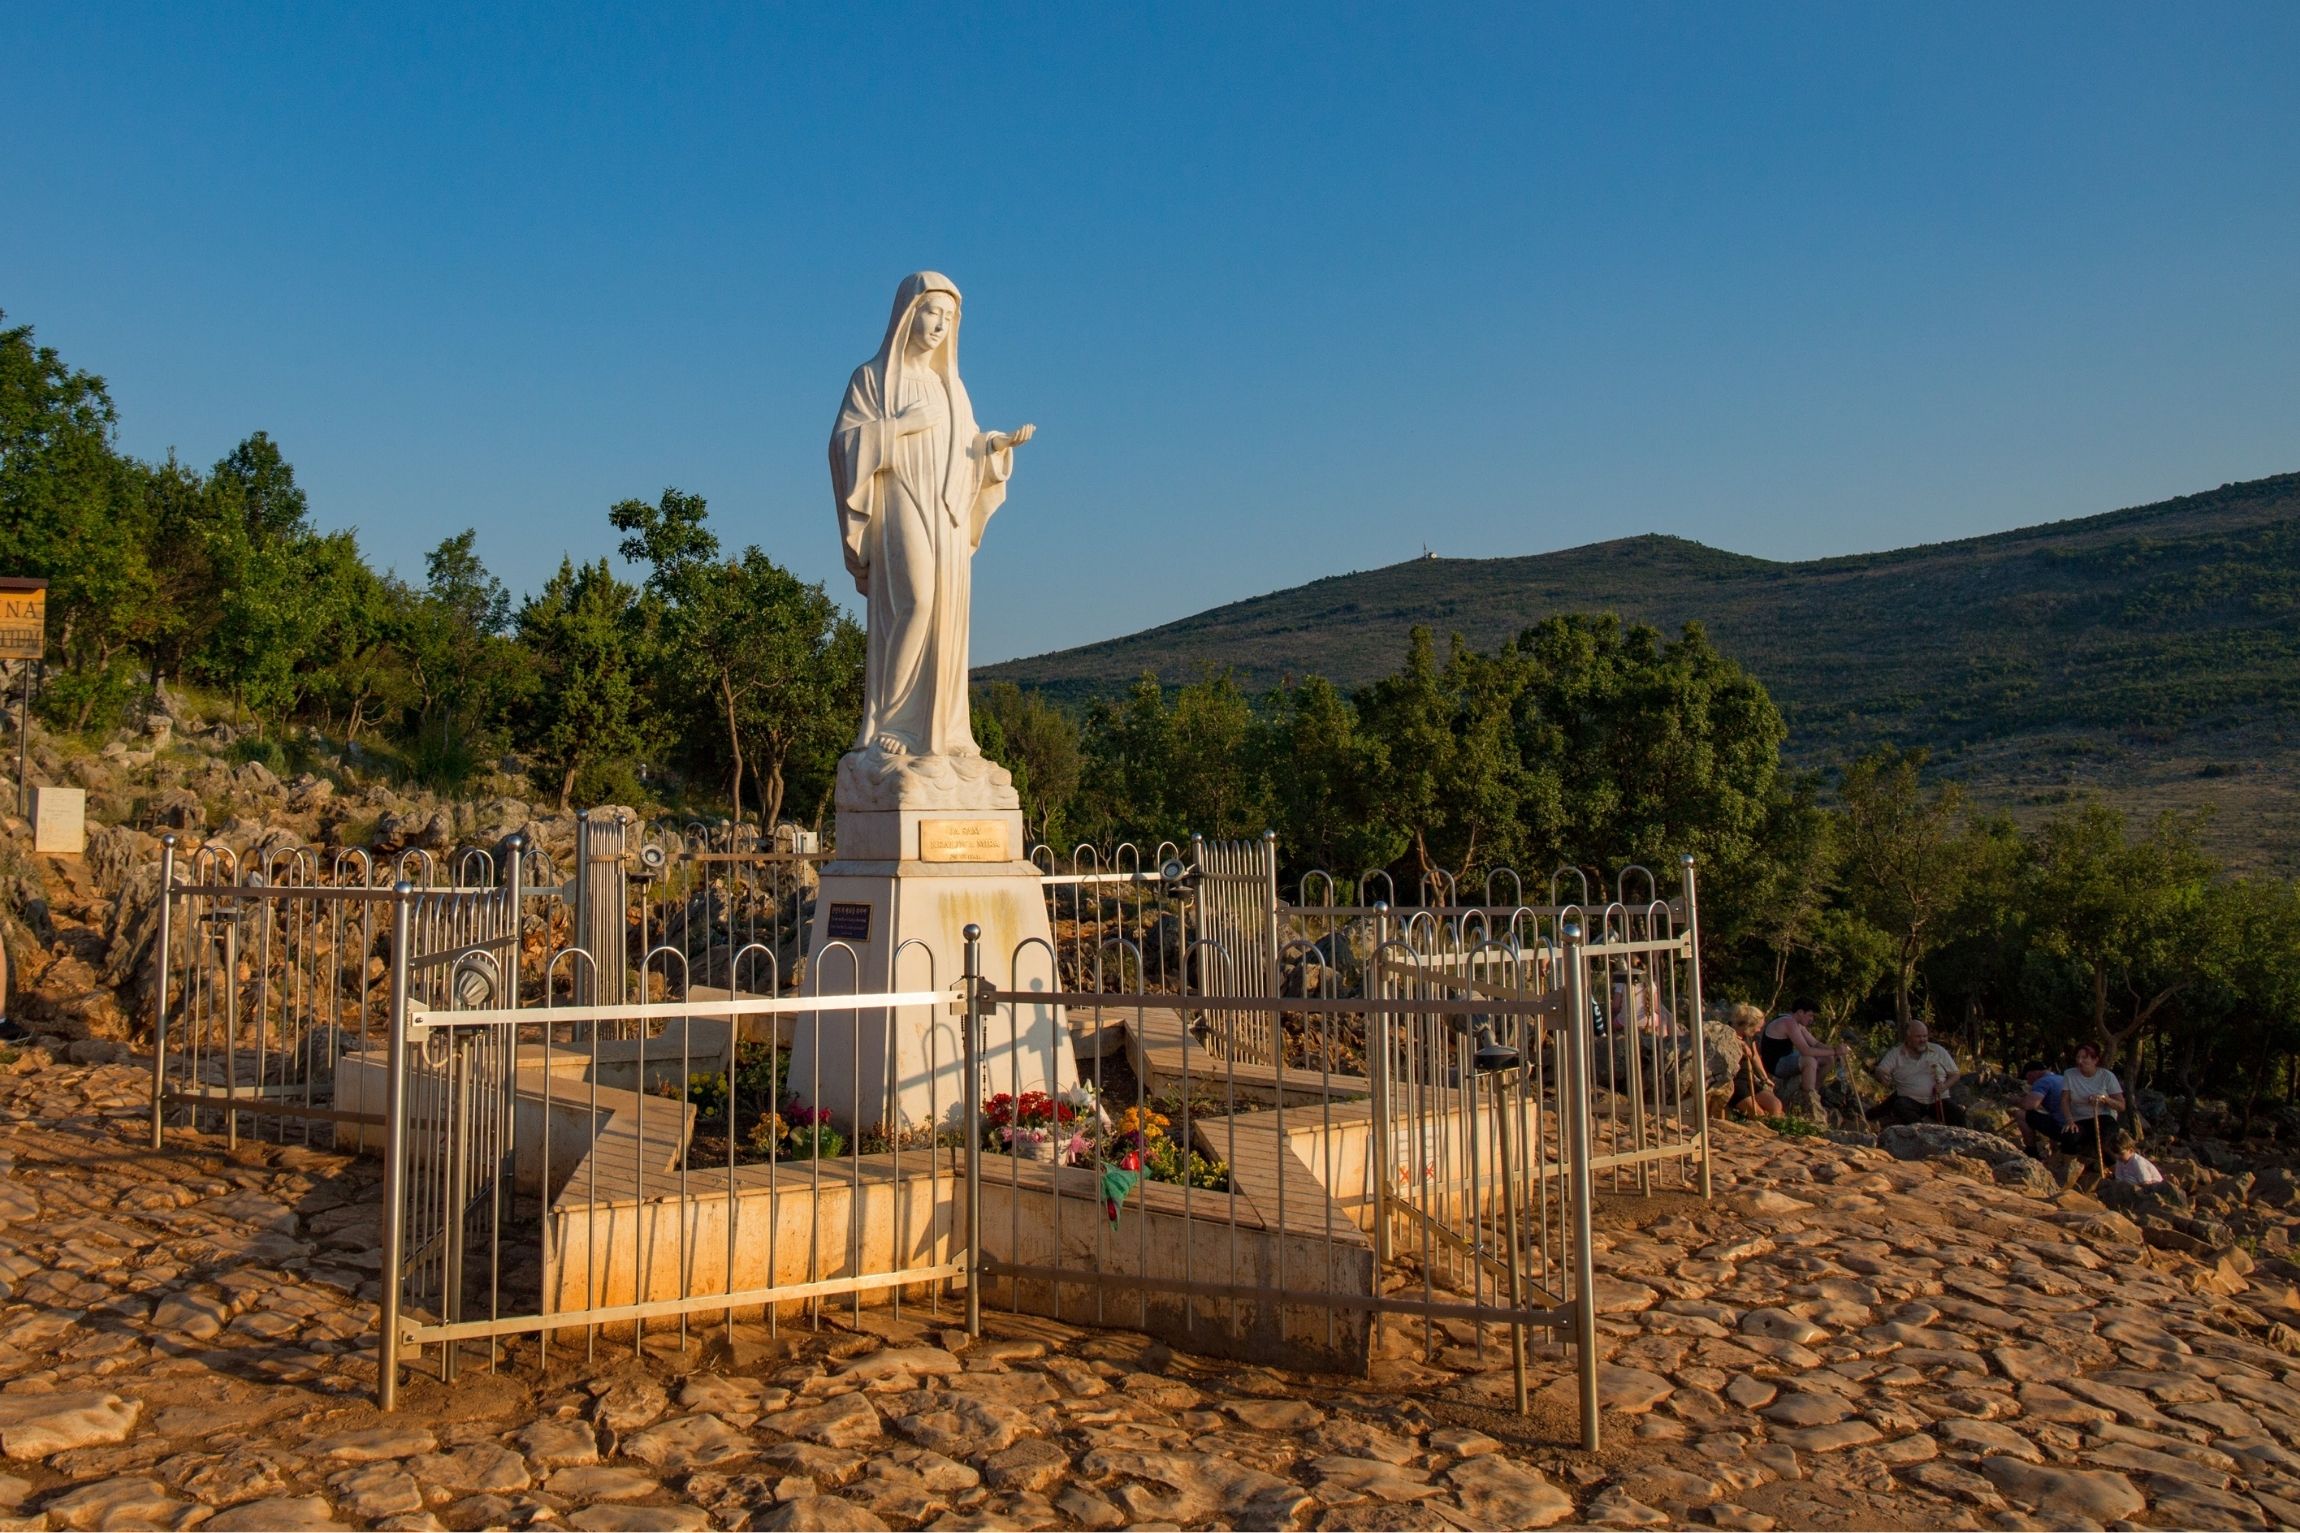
[
  {"x": 225, "y": 664},
  {"x": 2151, "y": 653}
]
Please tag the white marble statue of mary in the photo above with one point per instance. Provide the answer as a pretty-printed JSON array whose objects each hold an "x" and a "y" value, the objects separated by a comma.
[{"x": 916, "y": 480}]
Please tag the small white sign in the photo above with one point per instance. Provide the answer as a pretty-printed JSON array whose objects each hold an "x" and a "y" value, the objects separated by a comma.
[{"x": 60, "y": 821}]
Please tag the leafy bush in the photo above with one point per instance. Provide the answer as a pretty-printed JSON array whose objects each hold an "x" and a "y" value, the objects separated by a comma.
[{"x": 707, "y": 1093}]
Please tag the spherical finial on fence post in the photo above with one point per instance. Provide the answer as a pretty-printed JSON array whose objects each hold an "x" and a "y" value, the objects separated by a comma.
[
  {"x": 973, "y": 933},
  {"x": 1570, "y": 930}
]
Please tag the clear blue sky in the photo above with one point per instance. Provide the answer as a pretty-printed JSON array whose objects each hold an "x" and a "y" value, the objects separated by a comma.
[{"x": 1289, "y": 290}]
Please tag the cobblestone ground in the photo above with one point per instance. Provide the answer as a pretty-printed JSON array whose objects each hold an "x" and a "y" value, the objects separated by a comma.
[{"x": 1839, "y": 1339}]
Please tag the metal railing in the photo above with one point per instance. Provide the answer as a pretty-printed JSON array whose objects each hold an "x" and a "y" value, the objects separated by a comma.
[
  {"x": 1305, "y": 1100},
  {"x": 1265, "y": 1197},
  {"x": 269, "y": 969},
  {"x": 622, "y": 1153}
]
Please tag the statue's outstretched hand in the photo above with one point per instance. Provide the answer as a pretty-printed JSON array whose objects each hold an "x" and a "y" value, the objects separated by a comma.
[{"x": 1001, "y": 440}]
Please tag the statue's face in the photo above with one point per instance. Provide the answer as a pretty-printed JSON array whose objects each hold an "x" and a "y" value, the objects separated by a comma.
[{"x": 930, "y": 322}]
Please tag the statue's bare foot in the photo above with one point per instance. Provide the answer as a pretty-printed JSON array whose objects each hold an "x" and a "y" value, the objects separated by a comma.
[{"x": 890, "y": 745}]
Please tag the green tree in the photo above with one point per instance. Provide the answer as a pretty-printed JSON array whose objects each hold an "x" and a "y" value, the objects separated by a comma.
[
  {"x": 466, "y": 672},
  {"x": 182, "y": 545},
  {"x": 1773, "y": 917},
  {"x": 780, "y": 666},
  {"x": 1040, "y": 745},
  {"x": 1905, "y": 858},
  {"x": 1656, "y": 747},
  {"x": 1129, "y": 750},
  {"x": 361, "y": 675},
  {"x": 804, "y": 678},
  {"x": 586, "y": 635},
  {"x": 2120, "y": 912},
  {"x": 2248, "y": 958},
  {"x": 1974, "y": 975},
  {"x": 1458, "y": 789},
  {"x": 1325, "y": 774},
  {"x": 1213, "y": 784},
  {"x": 72, "y": 510}
]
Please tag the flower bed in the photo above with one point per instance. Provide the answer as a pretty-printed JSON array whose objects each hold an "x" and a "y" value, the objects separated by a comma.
[
  {"x": 1075, "y": 1130},
  {"x": 755, "y": 1117}
]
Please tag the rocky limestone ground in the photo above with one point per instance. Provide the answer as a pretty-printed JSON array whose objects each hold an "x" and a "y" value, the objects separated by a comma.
[{"x": 1839, "y": 1339}]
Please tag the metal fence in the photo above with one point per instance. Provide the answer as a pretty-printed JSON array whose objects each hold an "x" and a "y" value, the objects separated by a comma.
[
  {"x": 653, "y": 1188},
  {"x": 582, "y": 1089},
  {"x": 272, "y": 967},
  {"x": 710, "y": 892},
  {"x": 1206, "y": 1195}
]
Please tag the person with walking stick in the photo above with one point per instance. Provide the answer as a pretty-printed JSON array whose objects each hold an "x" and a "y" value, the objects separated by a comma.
[
  {"x": 2090, "y": 1099},
  {"x": 1918, "y": 1073}
]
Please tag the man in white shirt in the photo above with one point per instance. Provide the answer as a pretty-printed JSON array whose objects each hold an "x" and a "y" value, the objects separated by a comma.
[{"x": 1919, "y": 1074}]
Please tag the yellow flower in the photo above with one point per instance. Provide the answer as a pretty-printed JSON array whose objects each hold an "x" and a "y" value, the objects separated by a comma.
[{"x": 1149, "y": 1124}]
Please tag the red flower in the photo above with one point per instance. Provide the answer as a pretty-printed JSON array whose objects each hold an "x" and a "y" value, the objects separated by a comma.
[{"x": 1130, "y": 1161}]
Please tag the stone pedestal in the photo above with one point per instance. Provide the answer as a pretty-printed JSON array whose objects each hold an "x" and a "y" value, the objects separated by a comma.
[{"x": 890, "y": 916}]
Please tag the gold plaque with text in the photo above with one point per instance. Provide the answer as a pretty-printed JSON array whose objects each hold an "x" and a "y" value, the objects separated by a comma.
[
  {"x": 23, "y": 618},
  {"x": 963, "y": 841}
]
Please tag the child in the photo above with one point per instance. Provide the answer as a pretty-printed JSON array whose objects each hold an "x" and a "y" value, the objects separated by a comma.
[
  {"x": 2134, "y": 1167},
  {"x": 1752, "y": 1095}
]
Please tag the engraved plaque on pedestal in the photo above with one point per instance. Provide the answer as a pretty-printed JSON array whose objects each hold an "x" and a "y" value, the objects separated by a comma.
[{"x": 963, "y": 841}]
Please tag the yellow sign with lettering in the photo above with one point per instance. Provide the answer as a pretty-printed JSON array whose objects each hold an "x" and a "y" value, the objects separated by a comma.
[
  {"x": 963, "y": 841},
  {"x": 23, "y": 618}
]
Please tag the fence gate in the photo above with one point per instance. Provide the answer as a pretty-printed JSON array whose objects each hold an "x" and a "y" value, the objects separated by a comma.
[
  {"x": 656, "y": 1186},
  {"x": 1231, "y": 940},
  {"x": 271, "y": 974}
]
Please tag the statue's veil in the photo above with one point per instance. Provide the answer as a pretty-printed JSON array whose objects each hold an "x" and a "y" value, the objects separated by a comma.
[{"x": 959, "y": 476}]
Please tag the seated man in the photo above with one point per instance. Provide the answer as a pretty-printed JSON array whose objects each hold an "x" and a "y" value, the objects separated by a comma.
[
  {"x": 2040, "y": 1109},
  {"x": 1790, "y": 1051},
  {"x": 1919, "y": 1074}
]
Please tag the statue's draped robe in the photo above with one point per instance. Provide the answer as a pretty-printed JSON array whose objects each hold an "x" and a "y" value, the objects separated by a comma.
[{"x": 911, "y": 511}]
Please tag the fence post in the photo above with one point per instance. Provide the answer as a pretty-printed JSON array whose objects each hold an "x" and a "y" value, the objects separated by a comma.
[
  {"x": 160, "y": 984},
  {"x": 232, "y": 1025},
  {"x": 1584, "y": 1185},
  {"x": 1273, "y": 967},
  {"x": 1378, "y": 1064},
  {"x": 973, "y": 1047},
  {"x": 394, "y": 1150},
  {"x": 1700, "y": 1022},
  {"x": 514, "y": 884}
]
